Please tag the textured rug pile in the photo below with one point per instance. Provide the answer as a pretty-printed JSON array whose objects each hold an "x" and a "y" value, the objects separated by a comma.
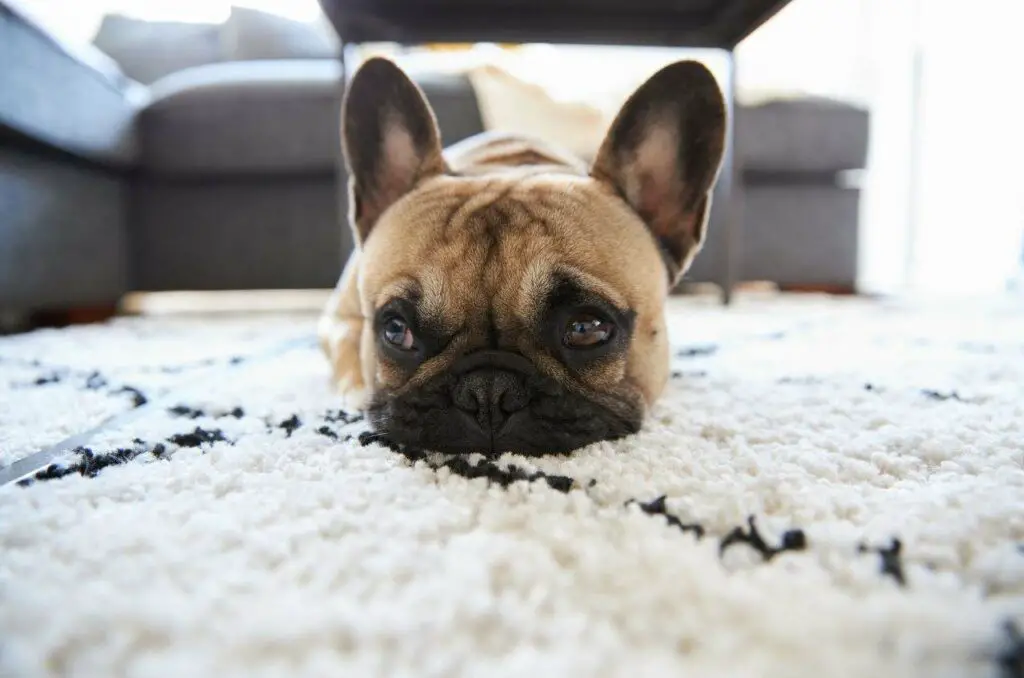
[{"x": 828, "y": 488}]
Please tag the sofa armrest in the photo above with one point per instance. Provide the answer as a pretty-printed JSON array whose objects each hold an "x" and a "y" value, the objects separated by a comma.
[
  {"x": 63, "y": 236},
  {"x": 51, "y": 95}
]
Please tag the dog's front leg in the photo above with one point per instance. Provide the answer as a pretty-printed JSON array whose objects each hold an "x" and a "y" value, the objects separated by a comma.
[{"x": 340, "y": 332}]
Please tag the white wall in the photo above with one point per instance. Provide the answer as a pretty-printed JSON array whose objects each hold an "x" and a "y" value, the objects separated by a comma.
[
  {"x": 971, "y": 190},
  {"x": 943, "y": 195},
  {"x": 810, "y": 47},
  {"x": 887, "y": 210}
]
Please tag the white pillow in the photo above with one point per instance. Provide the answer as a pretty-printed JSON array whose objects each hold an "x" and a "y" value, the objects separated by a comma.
[
  {"x": 251, "y": 34},
  {"x": 72, "y": 31},
  {"x": 508, "y": 104}
]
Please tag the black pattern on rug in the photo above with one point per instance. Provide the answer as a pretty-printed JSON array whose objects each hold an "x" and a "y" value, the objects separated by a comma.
[
  {"x": 890, "y": 558},
  {"x": 656, "y": 507},
  {"x": 701, "y": 351},
  {"x": 95, "y": 380},
  {"x": 932, "y": 394},
  {"x": 483, "y": 468},
  {"x": 1010, "y": 659},
  {"x": 792, "y": 540},
  {"x": 331, "y": 424},
  {"x": 196, "y": 413},
  {"x": 64, "y": 371},
  {"x": 86, "y": 380},
  {"x": 87, "y": 462},
  {"x": 891, "y": 563}
]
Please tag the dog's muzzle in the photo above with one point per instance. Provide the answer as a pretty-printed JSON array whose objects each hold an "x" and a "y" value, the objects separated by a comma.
[
  {"x": 497, "y": 401},
  {"x": 491, "y": 386}
]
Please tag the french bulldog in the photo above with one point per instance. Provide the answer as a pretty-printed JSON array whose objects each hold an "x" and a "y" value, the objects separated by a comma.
[{"x": 504, "y": 296}]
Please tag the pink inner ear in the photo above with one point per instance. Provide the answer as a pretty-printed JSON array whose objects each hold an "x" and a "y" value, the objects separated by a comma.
[
  {"x": 649, "y": 197},
  {"x": 653, "y": 181},
  {"x": 400, "y": 163},
  {"x": 399, "y": 152},
  {"x": 658, "y": 152},
  {"x": 398, "y": 170}
]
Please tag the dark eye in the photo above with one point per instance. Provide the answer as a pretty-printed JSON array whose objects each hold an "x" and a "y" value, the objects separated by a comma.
[
  {"x": 587, "y": 331},
  {"x": 397, "y": 333}
]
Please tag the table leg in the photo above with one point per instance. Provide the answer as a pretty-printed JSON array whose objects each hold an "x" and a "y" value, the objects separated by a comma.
[
  {"x": 732, "y": 191},
  {"x": 341, "y": 176}
]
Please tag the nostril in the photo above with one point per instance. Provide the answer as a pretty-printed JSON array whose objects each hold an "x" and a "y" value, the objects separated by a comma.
[
  {"x": 466, "y": 398},
  {"x": 490, "y": 396},
  {"x": 513, "y": 400}
]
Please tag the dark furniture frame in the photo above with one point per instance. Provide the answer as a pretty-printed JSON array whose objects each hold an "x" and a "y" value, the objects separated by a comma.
[{"x": 718, "y": 24}]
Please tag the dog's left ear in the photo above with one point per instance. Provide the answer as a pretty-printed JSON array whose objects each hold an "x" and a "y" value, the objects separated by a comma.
[
  {"x": 391, "y": 141},
  {"x": 662, "y": 154}
]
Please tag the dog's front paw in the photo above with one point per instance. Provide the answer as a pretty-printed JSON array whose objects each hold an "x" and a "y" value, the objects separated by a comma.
[{"x": 339, "y": 340}]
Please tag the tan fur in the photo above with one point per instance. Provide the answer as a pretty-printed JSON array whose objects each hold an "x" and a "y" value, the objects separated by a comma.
[
  {"x": 481, "y": 240},
  {"x": 489, "y": 235}
]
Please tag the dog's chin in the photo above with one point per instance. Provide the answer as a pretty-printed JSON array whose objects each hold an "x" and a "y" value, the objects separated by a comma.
[{"x": 554, "y": 421}]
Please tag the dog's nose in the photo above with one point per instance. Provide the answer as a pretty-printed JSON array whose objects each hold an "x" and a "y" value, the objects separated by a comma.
[{"x": 490, "y": 396}]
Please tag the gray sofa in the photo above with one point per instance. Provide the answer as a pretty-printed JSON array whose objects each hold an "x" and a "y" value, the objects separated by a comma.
[
  {"x": 225, "y": 175},
  {"x": 801, "y": 160}
]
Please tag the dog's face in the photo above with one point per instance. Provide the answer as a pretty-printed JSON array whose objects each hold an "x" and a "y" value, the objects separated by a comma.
[{"x": 523, "y": 310}]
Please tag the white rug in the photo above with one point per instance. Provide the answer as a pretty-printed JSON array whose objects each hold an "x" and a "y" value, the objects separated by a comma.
[{"x": 829, "y": 488}]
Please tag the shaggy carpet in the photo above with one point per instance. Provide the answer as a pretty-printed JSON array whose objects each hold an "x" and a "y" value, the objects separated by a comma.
[{"x": 828, "y": 488}]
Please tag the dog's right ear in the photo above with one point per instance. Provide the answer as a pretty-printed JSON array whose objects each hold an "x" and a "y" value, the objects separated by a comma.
[
  {"x": 390, "y": 139},
  {"x": 662, "y": 154}
]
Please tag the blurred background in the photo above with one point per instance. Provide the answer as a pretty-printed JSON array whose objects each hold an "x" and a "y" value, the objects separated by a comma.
[{"x": 181, "y": 146}]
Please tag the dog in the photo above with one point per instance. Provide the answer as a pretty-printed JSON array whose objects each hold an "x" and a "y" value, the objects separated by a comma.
[{"x": 504, "y": 296}]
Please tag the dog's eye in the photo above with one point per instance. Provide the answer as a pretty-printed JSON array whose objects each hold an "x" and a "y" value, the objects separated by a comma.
[
  {"x": 587, "y": 331},
  {"x": 397, "y": 333}
]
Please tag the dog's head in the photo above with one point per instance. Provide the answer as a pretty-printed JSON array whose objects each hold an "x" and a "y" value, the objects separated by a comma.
[{"x": 523, "y": 310}]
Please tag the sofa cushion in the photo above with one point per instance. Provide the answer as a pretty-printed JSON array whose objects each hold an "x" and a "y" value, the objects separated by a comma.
[
  {"x": 792, "y": 233},
  {"x": 149, "y": 50},
  {"x": 803, "y": 136},
  {"x": 54, "y": 95},
  {"x": 263, "y": 117},
  {"x": 250, "y": 34}
]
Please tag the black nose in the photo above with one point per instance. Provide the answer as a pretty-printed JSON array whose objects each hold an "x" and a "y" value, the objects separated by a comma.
[{"x": 489, "y": 396}]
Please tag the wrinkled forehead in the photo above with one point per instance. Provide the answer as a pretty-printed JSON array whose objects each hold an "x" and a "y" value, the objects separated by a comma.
[{"x": 469, "y": 248}]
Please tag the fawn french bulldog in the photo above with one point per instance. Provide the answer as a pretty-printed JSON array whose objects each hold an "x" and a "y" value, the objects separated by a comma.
[{"x": 503, "y": 295}]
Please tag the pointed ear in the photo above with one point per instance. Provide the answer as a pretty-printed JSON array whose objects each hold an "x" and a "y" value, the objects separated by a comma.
[
  {"x": 390, "y": 139},
  {"x": 662, "y": 154}
]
